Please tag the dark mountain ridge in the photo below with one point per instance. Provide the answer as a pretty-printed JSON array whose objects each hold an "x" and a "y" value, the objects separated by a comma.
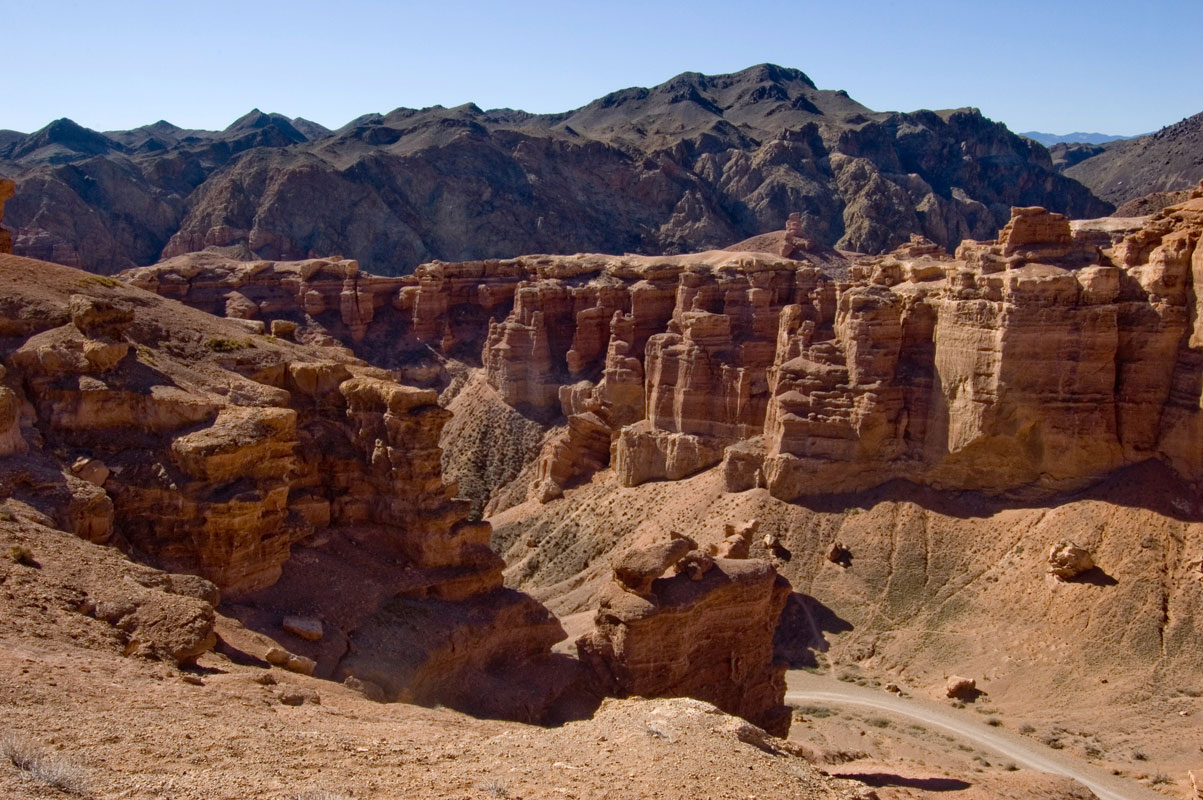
[
  {"x": 1169, "y": 160},
  {"x": 697, "y": 162}
]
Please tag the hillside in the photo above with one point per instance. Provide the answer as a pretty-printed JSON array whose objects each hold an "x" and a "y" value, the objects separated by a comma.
[
  {"x": 695, "y": 163},
  {"x": 1169, "y": 160}
]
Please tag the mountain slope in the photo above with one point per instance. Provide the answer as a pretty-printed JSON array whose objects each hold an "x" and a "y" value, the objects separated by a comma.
[
  {"x": 1167, "y": 161},
  {"x": 697, "y": 162}
]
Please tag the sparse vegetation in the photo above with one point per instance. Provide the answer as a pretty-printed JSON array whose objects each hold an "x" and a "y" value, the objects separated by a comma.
[
  {"x": 495, "y": 788},
  {"x": 317, "y": 794},
  {"x": 44, "y": 766},
  {"x": 994, "y": 722},
  {"x": 219, "y": 344},
  {"x": 1053, "y": 739},
  {"x": 818, "y": 712},
  {"x": 7, "y": 515},
  {"x": 878, "y": 722},
  {"x": 1026, "y": 729},
  {"x": 146, "y": 355},
  {"x": 21, "y": 555}
]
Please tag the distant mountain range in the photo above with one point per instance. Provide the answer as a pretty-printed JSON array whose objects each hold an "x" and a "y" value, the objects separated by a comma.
[
  {"x": 1077, "y": 137},
  {"x": 697, "y": 162}
]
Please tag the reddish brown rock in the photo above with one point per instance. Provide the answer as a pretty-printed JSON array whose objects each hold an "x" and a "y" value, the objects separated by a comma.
[
  {"x": 294, "y": 477},
  {"x": 703, "y": 633},
  {"x": 960, "y": 688},
  {"x": 1036, "y": 360},
  {"x": 1067, "y": 561},
  {"x": 6, "y": 191}
]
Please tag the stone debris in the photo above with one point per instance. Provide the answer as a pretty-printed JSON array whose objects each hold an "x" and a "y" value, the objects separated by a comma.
[
  {"x": 308, "y": 628},
  {"x": 1067, "y": 560},
  {"x": 960, "y": 688}
]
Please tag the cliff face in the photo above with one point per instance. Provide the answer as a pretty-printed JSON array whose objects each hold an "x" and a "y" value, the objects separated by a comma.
[
  {"x": 1034, "y": 360},
  {"x": 296, "y": 478},
  {"x": 697, "y": 162},
  {"x": 6, "y": 191}
]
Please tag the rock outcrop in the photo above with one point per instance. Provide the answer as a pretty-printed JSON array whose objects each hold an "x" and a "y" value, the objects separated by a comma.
[
  {"x": 1042, "y": 360},
  {"x": 6, "y": 191},
  {"x": 299, "y": 480},
  {"x": 1067, "y": 561},
  {"x": 960, "y": 688},
  {"x": 677, "y": 622},
  {"x": 695, "y": 163}
]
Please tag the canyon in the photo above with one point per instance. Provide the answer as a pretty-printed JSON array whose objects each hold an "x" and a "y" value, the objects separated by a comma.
[
  {"x": 944, "y": 419},
  {"x": 504, "y": 498}
]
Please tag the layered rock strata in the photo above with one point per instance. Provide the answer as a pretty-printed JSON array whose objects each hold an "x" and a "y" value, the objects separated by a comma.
[
  {"x": 679, "y": 621},
  {"x": 295, "y": 478},
  {"x": 6, "y": 191},
  {"x": 1042, "y": 359}
]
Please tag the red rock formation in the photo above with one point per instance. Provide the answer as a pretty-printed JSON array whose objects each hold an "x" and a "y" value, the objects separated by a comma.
[
  {"x": 7, "y": 188},
  {"x": 293, "y": 477},
  {"x": 1037, "y": 359},
  {"x": 704, "y": 630}
]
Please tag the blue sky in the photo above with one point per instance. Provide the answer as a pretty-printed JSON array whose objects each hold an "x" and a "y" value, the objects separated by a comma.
[{"x": 1113, "y": 67}]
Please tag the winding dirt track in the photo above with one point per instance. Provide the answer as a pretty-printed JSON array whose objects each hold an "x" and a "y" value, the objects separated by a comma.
[{"x": 805, "y": 687}]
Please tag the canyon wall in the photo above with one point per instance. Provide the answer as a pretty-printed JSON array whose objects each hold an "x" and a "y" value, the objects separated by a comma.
[
  {"x": 298, "y": 479},
  {"x": 6, "y": 191},
  {"x": 1043, "y": 359},
  {"x": 307, "y": 486}
]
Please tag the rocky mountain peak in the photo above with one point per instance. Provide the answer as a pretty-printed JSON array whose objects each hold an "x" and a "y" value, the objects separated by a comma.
[{"x": 62, "y": 140}]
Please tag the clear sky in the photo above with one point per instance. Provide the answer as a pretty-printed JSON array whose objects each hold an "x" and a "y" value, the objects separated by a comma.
[{"x": 1055, "y": 66}]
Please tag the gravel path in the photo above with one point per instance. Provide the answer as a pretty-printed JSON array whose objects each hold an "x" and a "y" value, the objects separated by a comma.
[{"x": 805, "y": 687}]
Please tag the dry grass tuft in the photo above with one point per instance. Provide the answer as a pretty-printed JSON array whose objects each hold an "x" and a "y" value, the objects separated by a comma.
[{"x": 44, "y": 766}]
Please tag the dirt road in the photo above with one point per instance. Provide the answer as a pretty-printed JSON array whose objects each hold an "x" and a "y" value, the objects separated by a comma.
[{"x": 806, "y": 687}]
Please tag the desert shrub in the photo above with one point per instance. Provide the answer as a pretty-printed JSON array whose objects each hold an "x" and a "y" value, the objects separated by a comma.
[
  {"x": 21, "y": 554},
  {"x": 495, "y": 788},
  {"x": 219, "y": 344},
  {"x": 44, "y": 766}
]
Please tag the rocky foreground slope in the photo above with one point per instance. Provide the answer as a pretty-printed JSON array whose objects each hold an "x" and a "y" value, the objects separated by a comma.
[{"x": 697, "y": 162}]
